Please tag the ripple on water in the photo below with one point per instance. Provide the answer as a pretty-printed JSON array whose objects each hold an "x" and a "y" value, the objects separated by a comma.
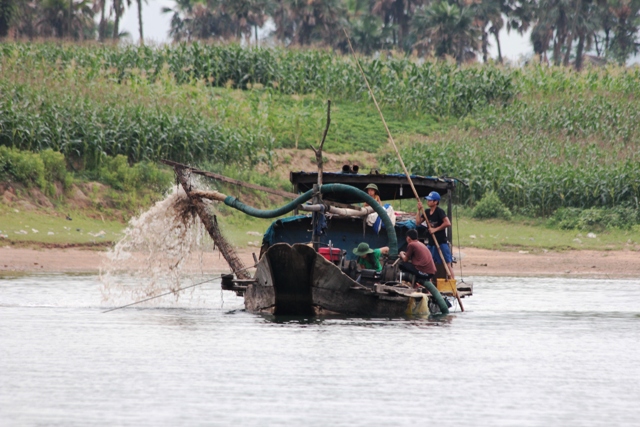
[{"x": 526, "y": 352}]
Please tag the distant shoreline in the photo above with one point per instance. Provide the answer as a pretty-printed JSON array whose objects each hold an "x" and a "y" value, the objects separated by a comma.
[{"x": 475, "y": 262}]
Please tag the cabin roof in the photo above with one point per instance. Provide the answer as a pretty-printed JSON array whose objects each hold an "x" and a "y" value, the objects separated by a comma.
[{"x": 391, "y": 186}]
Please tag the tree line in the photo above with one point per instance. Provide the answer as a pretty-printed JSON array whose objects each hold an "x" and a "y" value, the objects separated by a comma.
[{"x": 563, "y": 32}]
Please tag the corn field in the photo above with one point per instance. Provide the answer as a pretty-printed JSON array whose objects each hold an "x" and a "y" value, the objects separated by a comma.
[
  {"x": 541, "y": 138},
  {"x": 434, "y": 87},
  {"x": 567, "y": 140}
]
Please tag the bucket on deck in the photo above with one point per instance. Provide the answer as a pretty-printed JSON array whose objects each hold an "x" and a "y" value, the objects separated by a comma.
[
  {"x": 446, "y": 286},
  {"x": 330, "y": 254}
]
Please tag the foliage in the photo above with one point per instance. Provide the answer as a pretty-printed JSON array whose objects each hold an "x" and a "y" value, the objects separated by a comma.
[
  {"x": 595, "y": 219},
  {"x": 88, "y": 118},
  {"x": 490, "y": 206},
  {"x": 134, "y": 186},
  {"x": 43, "y": 169},
  {"x": 565, "y": 30},
  {"x": 24, "y": 167},
  {"x": 116, "y": 172},
  {"x": 435, "y": 88},
  {"x": 447, "y": 29},
  {"x": 570, "y": 140},
  {"x": 55, "y": 170}
]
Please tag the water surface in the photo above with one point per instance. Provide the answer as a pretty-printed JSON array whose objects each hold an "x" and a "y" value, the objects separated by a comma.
[{"x": 530, "y": 352}]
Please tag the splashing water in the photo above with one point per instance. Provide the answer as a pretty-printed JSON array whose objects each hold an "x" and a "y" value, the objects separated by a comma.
[{"x": 159, "y": 247}]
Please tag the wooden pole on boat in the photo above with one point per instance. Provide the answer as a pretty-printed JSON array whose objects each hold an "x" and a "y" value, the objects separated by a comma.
[
  {"x": 318, "y": 152},
  {"x": 404, "y": 168},
  {"x": 211, "y": 224},
  {"x": 317, "y": 198}
]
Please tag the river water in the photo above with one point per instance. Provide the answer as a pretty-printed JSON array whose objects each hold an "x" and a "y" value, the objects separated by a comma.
[{"x": 526, "y": 352}]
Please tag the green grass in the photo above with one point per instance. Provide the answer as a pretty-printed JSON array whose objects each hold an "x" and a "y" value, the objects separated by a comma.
[
  {"x": 81, "y": 230},
  {"x": 540, "y": 138},
  {"x": 299, "y": 121},
  {"x": 521, "y": 234},
  {"x": 535, "y": 236}
]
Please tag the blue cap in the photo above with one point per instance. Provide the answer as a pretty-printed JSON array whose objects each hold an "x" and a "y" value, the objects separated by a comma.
[{"x": 433, "y": 196}]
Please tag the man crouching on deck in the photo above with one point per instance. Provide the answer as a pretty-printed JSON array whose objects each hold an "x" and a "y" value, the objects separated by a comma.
[{"x": 417, "y": 260}]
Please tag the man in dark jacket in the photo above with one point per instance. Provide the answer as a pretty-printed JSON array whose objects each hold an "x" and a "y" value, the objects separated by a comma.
[{"x": 439, "y": 222}]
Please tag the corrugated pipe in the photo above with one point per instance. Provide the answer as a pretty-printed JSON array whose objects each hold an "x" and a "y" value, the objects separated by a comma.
[{"x": 341, "y": 189}]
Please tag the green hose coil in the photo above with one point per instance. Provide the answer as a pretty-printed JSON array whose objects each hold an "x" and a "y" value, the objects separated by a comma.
[{"x": 325, "y": 189}]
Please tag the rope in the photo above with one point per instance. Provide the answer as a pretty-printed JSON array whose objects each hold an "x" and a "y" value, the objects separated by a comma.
[{"x": 170, "y": 292}]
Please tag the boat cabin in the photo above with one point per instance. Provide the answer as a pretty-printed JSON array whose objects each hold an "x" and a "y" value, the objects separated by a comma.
[{"x": 343, "y": 233}]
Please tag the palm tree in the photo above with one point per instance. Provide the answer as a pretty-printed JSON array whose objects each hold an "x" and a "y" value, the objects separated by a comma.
[
  {"x": 396, "y": 16},
  {"x": 178, "y": 26},
  {"x": 447, "y": 29},
  {"x": 367, "y": 31},
  {"x": 282, "y": 19},
  {"x": 140, "y": 21},
  {"x": 66, "y": 18},
  {"x": 369, "y": 34},
  {"x": 246, "y": 15},
  {"x": 627, "y": 20},
  {"x": 489, "y": 13},
  {"x": 317, "y": 20},
  {"x": 519, "y": 14},
  {"x": 101, "y": 6},
  {"x": 584, "y": 25},
  {"x": 8, "y": 14},
  {"x": 553, "y": 24},
  {"x": 194, "y": 20},
  {"x": 118, "y": 8}
]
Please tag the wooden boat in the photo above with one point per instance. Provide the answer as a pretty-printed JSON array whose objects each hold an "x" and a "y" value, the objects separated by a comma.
[{"x": 305, "y": 272}]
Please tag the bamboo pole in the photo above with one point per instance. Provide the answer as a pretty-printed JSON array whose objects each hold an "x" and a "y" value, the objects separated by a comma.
[{"x": 404, "y": 168}]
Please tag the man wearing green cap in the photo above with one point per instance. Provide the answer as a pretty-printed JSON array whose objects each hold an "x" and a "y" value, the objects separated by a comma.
[
  {"x": 370, "y": 258},
  {"x": 373, "y": 219},
  {"x": 373, "y": 191}
]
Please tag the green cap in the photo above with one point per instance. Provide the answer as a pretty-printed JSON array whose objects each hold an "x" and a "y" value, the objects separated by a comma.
[
  {"x": 375, "y": 187},
  {"x": 363, "y": 249}
]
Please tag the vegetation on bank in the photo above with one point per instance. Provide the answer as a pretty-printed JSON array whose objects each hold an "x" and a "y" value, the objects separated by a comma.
[
  {"x": 569, "y": 140},
  {"x": 438, "y": 88},
  {"x": 568, "y": 32},
  {"x": 127, "y": 187},
  {"x": 535, "y": 142}
]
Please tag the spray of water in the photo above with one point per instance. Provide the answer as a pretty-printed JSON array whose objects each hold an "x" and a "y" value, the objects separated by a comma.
[{"x": 157, "y": 251}]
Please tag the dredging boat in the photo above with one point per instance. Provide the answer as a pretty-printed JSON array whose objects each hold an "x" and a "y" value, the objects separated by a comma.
[{"x": 306, "y": 264}]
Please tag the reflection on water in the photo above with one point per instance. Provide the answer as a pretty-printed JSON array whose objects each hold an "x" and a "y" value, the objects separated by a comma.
[{"x": 525, "y": 352}]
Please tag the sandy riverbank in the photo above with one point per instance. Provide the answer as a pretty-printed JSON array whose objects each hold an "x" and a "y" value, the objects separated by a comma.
[{"x": 475, "y": 262}]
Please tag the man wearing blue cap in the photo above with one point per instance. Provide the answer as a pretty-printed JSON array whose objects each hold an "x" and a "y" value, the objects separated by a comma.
[{"x": 439, "y": 222}]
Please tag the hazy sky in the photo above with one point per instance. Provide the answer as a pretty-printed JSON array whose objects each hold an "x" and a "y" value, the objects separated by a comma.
[{"x": 156, "y": 27}]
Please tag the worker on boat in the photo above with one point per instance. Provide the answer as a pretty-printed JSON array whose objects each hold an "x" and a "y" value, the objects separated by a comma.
[
  {"x": 373, "y": 191},
  {"x": 439, "y": 222},
  {"x": 373, "y": 220},
  {"x": 417, "y": 260},
  {"x": 370, "y": 258}
]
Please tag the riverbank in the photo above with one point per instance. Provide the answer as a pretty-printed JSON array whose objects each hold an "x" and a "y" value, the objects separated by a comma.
[{"x": 474, "y": 262}]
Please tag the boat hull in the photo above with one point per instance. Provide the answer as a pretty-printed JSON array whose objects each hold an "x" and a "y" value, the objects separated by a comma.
[{"x": 295, "y": 280}]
